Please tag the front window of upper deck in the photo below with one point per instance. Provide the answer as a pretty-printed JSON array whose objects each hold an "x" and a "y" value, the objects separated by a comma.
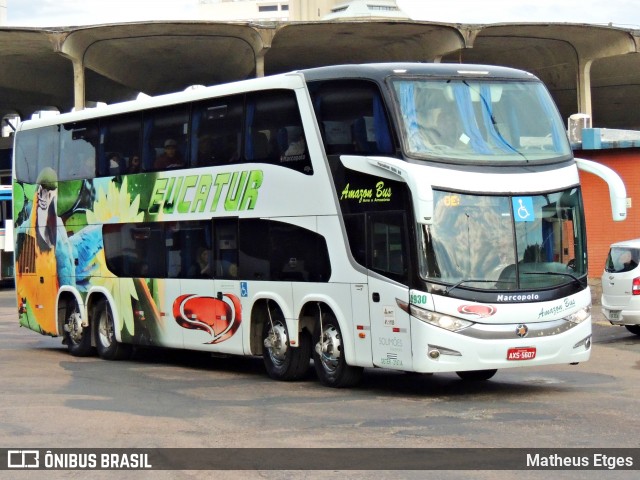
[
  {"x": 492, "y": 242},
  {"x": 471, "y": 121}
]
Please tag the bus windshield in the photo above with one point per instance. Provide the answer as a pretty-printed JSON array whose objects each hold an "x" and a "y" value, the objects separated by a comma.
[
  {"x": 471, "y": 121},
  {"x": 505, "y": 242}
]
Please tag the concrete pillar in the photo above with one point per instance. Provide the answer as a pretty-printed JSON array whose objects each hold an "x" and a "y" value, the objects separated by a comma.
[
  {"x": 78, "y": 84},
  {"x": 266, "y": 37},
  {"x": 584, "y": 86}
]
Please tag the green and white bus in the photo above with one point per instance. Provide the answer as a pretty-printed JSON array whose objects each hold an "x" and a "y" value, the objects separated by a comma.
[{"x": 415, "y": 217}]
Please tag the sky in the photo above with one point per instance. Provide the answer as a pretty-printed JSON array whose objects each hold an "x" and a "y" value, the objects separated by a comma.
[{"x": 40, "y": 13}]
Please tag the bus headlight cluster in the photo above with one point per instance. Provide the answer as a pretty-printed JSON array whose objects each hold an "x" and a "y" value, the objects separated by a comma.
[
  {"x": 579, "y": 316},
  {"x": 448, "y": 322}
]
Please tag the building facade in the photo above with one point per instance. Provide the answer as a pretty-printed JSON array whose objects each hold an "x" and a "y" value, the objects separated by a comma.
[{"x": 296, "y": 10}]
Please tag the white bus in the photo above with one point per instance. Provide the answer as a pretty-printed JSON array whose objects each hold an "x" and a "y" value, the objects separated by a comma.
[{"x": 415, "y": 217}]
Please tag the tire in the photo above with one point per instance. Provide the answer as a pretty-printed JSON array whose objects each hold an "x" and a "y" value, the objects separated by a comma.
[
  {"x": 106, "y": 344},
  {"x": 328, "y": 356},
  {"x": 281, "y": 360},
  {"x": 476, "y": 375},
  {"x": 77, "y": 337},
  {"x": 633, "y": 329}
]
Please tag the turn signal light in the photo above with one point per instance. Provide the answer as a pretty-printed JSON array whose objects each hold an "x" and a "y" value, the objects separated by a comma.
[{"x": 635, "y": 288}]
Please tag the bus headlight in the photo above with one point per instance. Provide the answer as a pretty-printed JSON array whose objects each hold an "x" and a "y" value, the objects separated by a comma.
[
  {"x": 579, "y": 316},
  {"x": 453, "y": 324}
]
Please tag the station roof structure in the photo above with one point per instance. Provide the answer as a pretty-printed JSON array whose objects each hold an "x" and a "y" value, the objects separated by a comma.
[{"x": 590, "y": 69}]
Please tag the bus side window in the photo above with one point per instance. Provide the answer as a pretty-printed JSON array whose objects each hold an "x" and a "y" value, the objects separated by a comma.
[
  {"x": 78, "y": 143},
  {"x": 352, "y": 118},
  {"x": 189, "y": 249},
  {"x": 119, "y": 144},
  {"x": 387, "y": 245},
  {"x": 274, "y": 132},
  {"x": 297, "y": 254},
  {"x": 355, "y": 227},
  {"x": 33, "y": 152},
  {"x": 216, "y": 130},
  {"x": 226, "y": 248},
  {"x": 166, "y": 138}
]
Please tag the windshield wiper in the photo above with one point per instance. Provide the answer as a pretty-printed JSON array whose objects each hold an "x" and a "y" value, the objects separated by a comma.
[
  {"x": 456, "y": 285},
  {"x": 575, "y": 279}
]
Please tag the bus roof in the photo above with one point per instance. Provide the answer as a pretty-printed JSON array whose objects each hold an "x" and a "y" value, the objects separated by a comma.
[{"x": 379, "y": 71}]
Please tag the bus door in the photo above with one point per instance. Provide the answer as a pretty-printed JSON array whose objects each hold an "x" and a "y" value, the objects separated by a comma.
[
  {"x": 388, "y": 258},
  {"x": 209, "y": 307}
]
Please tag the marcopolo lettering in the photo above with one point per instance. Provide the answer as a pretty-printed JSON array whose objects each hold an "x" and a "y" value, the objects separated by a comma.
[
  {"x": 231, "y": 191},
  {"x": 530, "y": 297}
]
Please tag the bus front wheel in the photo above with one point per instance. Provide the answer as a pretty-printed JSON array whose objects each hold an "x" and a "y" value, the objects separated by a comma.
[
  {"x": 107, "y": 345},
  {"x": 328, "y": 355},
  {"x": 281, "y": 360}
]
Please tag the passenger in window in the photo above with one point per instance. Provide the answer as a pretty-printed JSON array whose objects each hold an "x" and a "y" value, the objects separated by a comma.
[
  {"x": 297, "y": 147},
  {"x": 227, "y": 269},
  {"x": 439, "y": 127},
  {"x": 449, "y": 130},
  {"x": 115, "y": 163},
  {"x": 202, "y": 267},
  {"x": 170, "y": 158},
  {"x": 205, "y": 150},
  {"x": 230, "y": 151},
  {"x": 134, "y": 165}
]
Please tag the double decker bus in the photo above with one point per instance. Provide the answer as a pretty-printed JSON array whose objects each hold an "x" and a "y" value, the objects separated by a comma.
[{"x": 415, "y": 217}]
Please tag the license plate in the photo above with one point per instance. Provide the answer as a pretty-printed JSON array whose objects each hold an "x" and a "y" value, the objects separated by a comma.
[
  {"x": 521, "y": 353},
  {"x": 614, "y": 314}
]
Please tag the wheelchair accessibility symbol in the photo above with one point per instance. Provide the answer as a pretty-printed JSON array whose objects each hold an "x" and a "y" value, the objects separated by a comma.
[
  {"x": 244, "y": 289},
  {"x": 523, "y": 209}
]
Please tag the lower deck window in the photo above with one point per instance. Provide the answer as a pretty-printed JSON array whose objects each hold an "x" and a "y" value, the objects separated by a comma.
[{"x": 250, "y": 249}]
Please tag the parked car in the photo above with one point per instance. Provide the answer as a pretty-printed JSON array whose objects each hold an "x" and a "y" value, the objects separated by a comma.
[{"x": 621, "y": 285}]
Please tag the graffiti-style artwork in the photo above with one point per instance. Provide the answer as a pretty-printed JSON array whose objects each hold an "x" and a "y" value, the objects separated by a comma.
[
  {"x": 98, "y": 235},
  {"x": 220, "y": 318},
  {"x": 36, "y": 248},
  {"x": 59, "y": 243}
]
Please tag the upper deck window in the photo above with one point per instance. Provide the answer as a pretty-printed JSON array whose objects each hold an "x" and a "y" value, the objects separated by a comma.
[
  {"x": 471, "y": 121},
  {"x": 352, "y": 118}
]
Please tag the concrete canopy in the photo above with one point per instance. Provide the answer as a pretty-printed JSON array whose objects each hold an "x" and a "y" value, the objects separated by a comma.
[
  {"x": 563, "y": 56},
  {"x": 590, "y": 69},
  {"x": 305, "y": 45},
  {"x": 157, "y": 58},
  {"x": 34, "y": 77}
]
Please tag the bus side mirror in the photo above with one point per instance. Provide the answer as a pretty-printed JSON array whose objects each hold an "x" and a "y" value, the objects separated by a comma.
[{"x": 617, "y": 190}]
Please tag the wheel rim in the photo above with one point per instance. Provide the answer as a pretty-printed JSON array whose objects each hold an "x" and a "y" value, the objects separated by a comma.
[
  {"x": 74, "y": 327},
  {"x": 276, "y": 343},
  {"x": 330, "y": 348},
  {"x": 105, "y": 329}
]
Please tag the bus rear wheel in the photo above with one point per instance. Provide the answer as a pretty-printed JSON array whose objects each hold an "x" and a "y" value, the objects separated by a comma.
[
  {"x": 77, "y": 336},
  {"x": 476, "y": 375},
  {"x": 106, "y": 344},
  {"x": 281, "y": 360},
  {"x": 328, "y": 356}
]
